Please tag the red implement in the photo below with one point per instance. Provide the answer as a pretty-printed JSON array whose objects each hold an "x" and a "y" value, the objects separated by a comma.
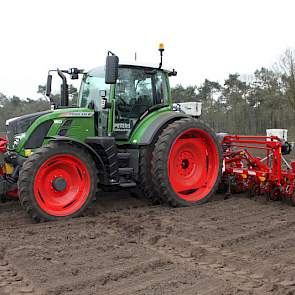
[
  {"x": 3, "y": 149},
  {"x": 254, "y": 164}
]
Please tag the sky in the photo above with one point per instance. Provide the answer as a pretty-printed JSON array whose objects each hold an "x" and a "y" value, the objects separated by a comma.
[{"x": 203, "y": 38}]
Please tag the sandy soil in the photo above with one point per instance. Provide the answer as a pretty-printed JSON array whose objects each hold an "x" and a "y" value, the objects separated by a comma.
[{"x": 125, "y": 246}]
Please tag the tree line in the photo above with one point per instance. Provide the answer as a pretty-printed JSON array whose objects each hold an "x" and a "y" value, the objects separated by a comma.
[{"x": 265, "y": 99}]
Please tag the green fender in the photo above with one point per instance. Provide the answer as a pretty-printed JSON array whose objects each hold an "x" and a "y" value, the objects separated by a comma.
[
  {"x": 160, "y": 122},
  {"x": 80, "y": 144}
]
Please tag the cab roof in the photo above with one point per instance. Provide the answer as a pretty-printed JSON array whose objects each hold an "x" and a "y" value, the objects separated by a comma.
[{"x": 98, "y": 71}]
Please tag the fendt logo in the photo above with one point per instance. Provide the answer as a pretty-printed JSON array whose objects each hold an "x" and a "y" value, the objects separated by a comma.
[{"x": 77, "y": 114}]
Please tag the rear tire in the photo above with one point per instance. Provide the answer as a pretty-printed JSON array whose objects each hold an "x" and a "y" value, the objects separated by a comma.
[
  {"x": 145, "y": 185},
  {"x": 58, "y": 181},
  {"x": 186, "y": 163}
]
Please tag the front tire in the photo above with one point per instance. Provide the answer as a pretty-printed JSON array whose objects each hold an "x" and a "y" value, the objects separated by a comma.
[
  {"x": 58, "y": 181},
  {"x": 186, "y": 163}
]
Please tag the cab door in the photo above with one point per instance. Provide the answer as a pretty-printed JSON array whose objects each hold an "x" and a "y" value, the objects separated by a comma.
[
  {"x": 137, "y": 90},
  {"x": 133, "y": 96}
]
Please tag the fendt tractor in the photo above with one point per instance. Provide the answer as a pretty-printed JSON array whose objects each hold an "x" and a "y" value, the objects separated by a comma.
[{"x": 125, "y": 133}]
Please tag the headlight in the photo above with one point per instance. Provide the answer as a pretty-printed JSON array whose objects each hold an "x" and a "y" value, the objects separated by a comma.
[{"x": 17, "y": 138}]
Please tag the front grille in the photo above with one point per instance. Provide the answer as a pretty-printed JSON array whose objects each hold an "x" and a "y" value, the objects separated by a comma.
[
  {"x": 21, "y": 125},
  {"x": 37, "y": 137}
]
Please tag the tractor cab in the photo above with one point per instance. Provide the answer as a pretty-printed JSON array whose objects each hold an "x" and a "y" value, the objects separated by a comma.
[{"x": 138, "y": 90}]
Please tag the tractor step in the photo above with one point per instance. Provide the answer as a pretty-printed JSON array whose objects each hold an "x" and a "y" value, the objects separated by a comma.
[{"x": 125, "y": 172}]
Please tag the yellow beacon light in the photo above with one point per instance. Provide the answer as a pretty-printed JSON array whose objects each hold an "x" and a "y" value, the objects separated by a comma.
[{"x": 161, "y": 47}]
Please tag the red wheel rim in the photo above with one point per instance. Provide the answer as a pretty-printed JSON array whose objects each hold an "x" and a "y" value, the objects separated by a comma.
[
  {"x": 75, "y": 178},
  {"x": 193, "y": 164},
  {"x": 275, "y": 194}
]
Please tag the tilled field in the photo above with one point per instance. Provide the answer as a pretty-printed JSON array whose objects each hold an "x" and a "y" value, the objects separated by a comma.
[{"x": 125, "y": 246}]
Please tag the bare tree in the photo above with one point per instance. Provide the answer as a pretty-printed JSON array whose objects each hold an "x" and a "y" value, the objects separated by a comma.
[{"x": 286, "y": 66}]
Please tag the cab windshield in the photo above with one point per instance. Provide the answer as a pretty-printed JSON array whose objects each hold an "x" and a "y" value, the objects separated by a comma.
[{"x": 92, "y": 84}]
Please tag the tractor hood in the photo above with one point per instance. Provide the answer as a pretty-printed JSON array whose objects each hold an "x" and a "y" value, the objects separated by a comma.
[
  {"x": 29, "y": 132},
  {"x": 21, "y": 124}
]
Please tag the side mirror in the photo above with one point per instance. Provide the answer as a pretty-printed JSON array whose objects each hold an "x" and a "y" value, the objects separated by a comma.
[
  {"x": 48, "y": 85},
  {"x": 112, "y": 66}
]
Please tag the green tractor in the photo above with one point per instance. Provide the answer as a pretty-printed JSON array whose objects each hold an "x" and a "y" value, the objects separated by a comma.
[{"x": 125, "y": 133}]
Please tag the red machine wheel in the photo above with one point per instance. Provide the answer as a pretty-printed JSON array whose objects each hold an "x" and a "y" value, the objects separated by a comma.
[
  {"x": 186, "y": 163},
  {"x": 57, "y": 181},
  {"x": 193, "y": 164},
  {"x": 275, "y": 194},
  {"x": 254, "y": 190},
  {"x": 62, "y": 185}
]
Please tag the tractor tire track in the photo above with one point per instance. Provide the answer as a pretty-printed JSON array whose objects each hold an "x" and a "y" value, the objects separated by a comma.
[
  {"x": 13, "y": 283},
  {"x": 126, "y": 246}
]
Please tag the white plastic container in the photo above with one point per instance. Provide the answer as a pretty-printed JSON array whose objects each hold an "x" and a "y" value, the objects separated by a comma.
[
  {"x": 280, "y": 133},
  {"x": 191, "y": 108}
]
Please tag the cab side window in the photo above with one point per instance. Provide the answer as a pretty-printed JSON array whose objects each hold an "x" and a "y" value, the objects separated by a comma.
[{"x": 161, "y": 88}]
